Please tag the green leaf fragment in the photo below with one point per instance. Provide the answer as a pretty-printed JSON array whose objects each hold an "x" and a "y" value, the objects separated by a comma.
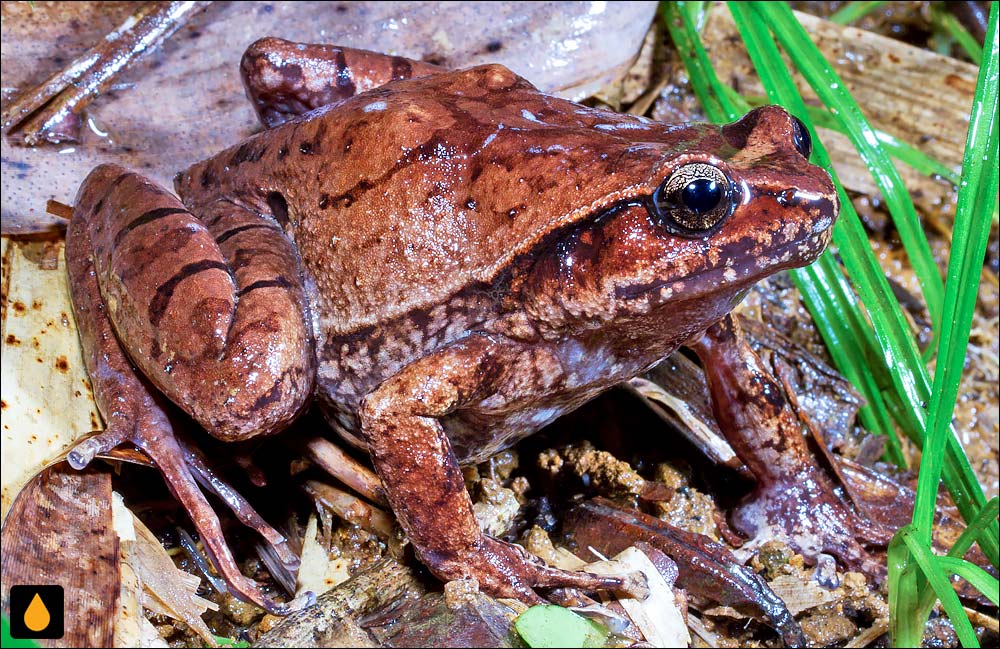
[{"x": 547, "y": 625}]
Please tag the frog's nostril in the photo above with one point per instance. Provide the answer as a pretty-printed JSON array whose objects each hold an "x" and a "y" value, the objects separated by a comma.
[{"x": 801, "y": 138}]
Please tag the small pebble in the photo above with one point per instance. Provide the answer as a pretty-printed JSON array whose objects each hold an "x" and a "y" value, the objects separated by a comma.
[{"x": 826, "y": 572}]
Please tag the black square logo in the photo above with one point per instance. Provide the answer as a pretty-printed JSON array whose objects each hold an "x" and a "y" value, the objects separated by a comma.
[{"x": 36, "y": 612}]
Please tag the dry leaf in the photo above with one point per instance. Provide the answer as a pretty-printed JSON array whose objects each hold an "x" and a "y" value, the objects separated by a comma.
[
  {"x": 47, "y": 404},
  {"x": 658, "y": 617},
  {"x": 167, "y": 590},
  {"x": 316, "y": 571}
]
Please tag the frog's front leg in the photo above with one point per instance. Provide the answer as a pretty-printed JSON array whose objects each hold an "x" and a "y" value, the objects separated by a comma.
[
  {"x": 226, "y": 340},
  {"x": 414, "y": 459},
  {"x": 794, "y": 496}
]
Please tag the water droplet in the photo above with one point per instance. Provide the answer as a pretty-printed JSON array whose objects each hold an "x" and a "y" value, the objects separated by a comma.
[{"x": 37, "y": 617}]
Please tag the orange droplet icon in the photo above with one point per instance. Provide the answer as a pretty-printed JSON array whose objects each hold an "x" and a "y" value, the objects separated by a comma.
[{"x": 37, "y": 617}]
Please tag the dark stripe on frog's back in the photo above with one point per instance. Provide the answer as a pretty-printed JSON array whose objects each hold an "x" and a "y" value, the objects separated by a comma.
[{"x": 366, "y": 226}]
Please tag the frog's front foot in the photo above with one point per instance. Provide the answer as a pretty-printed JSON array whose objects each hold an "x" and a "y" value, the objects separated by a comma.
[
  {"x": 507, "y": 570},
  {"x": 795, "y": 499}
]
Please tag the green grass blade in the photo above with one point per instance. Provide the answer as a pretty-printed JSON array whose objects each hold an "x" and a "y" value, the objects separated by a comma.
[
  {"x": 832, "y": 92},
  {"x": 947, "y": 22},
  {"x": 718, "y": 107},
  {"x": 981, "y": 580},
  {"x": 852, "y": 11},
  {"x": 973, "y": 217},
  {"x": 697, "y": 13},
  {"x": 941, "y": 583},
  {"x": 898, "y": 349},
  {"x": 907, "y": 617},
  {"x": 829, "y": 297},
  {"x": 975, "y": 528}
]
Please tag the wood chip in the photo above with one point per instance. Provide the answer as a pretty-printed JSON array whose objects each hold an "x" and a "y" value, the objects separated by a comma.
[{"x": 167, "y": 590}]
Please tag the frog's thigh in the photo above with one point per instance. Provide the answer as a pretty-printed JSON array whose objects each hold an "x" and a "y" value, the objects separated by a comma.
[
  {"x": 211, "y": 309},
  {"x": 286, "y": 79}
]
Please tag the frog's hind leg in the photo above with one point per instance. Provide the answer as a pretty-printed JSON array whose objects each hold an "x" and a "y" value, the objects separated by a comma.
[
  {"x": 180, "y": 339},
  {"x": 210, "y": 308},
  {"x": 285, "y": 79}
]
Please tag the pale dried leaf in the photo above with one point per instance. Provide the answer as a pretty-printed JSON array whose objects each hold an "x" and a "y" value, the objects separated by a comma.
[
  {"x": 47, "y": 403},
  {"x": 167, "y": 589},
  {"x": 700, "y": 433},
  {"x": 658, "y": 617},
  {"x": 800, "y": 595},
  {"x": 122, "y": 517},
  {"x": 317, "y": 572}
]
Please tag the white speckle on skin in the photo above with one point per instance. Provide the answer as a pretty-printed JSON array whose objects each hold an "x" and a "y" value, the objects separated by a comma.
[
  {"x": 528, "y": 115},
  {"x": 821, "y": 225},
  {"x": 621, "y": 126},
  {"x": 729, "y": 275},
  {"x": 374, "y": 106}
]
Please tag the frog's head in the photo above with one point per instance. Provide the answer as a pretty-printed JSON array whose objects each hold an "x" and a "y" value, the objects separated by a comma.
[{"x": 728, "y": 207}]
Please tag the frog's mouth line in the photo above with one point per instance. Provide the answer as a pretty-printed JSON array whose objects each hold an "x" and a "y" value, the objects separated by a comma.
[{"x": 736, "y": 277}]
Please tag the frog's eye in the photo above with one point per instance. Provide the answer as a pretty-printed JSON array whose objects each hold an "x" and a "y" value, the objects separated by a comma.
[{"x": 693, "y": 200}]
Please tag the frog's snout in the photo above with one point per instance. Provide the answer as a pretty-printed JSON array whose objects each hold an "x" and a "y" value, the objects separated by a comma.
[{"x": 766, "y": 129}]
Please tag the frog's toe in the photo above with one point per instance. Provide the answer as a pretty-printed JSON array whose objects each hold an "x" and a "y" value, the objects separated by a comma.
[
  {"x": 632, "y": 584},
  {"x": 100, "y": 444}
]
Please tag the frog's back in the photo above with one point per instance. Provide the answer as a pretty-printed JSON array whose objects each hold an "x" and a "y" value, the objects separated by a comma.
[{"x": 407, "y": 195}]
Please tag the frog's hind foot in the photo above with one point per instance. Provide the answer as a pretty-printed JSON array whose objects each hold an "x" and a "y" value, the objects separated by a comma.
[
  {"x": 507, "y": 570},
  {"x": 285, "y": 79},
  {"x": 184, "y": 468},
  {"x": 813, "y": 520},
  {"x": 795, "y": 499}
]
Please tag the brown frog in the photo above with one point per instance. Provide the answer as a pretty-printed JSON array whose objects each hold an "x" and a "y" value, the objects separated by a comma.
[{"x": 447, "y": 261}]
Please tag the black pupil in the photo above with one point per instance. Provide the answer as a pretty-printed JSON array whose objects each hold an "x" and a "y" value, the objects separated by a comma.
[{"x": 702, "y": 195}]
